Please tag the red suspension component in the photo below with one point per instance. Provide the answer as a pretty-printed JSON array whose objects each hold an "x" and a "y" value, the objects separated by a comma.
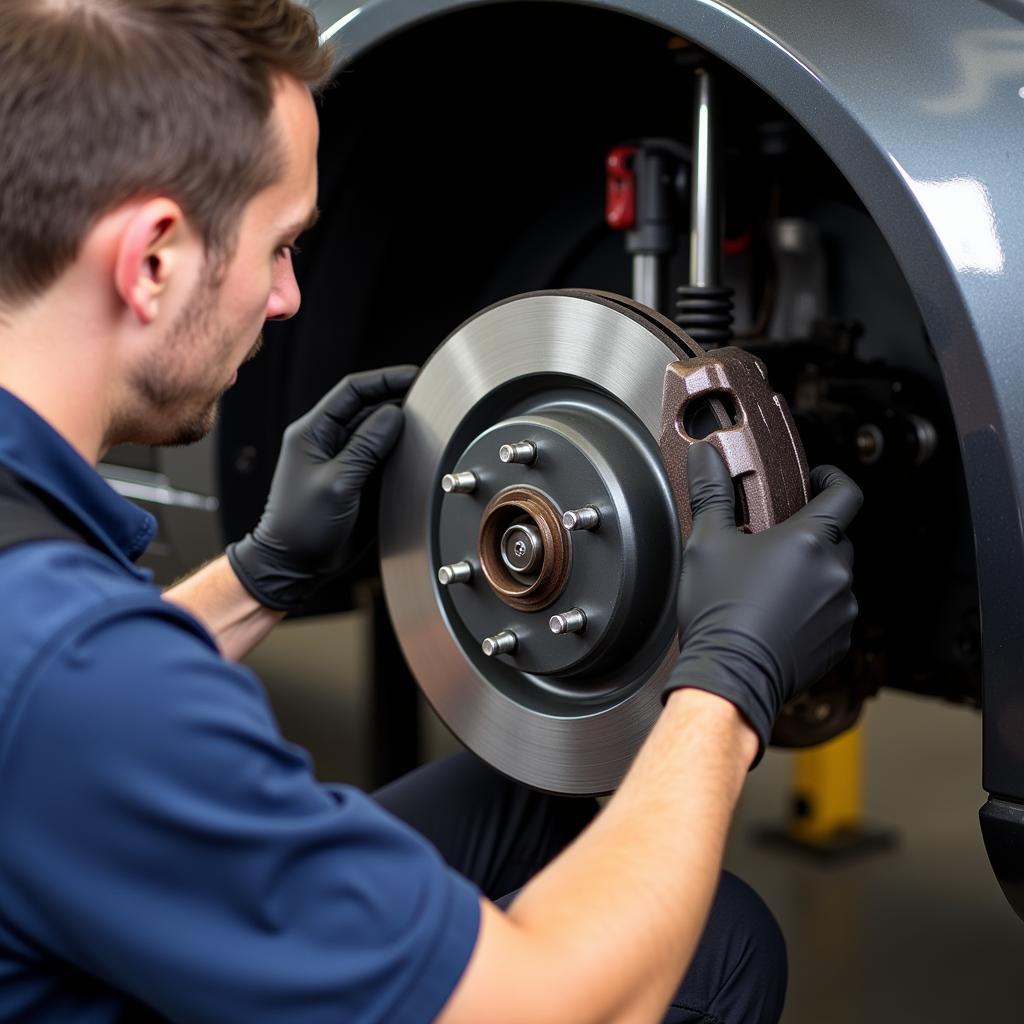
[{"x": 620, "y": 190}]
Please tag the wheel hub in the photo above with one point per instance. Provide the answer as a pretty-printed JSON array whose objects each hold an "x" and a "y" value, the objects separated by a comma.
[{"x": 590, "y": 454}]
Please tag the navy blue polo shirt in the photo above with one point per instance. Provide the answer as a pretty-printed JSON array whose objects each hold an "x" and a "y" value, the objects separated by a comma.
[{"x": 160, "y": 842}]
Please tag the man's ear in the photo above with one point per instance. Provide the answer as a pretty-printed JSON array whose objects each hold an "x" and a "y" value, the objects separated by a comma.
[{"x": 152, "y": 249}]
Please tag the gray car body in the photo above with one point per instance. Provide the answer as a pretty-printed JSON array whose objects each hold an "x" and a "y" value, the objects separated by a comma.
[{"x": 921, "y": 107}]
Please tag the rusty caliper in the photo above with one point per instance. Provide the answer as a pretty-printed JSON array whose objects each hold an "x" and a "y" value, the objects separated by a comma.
[{"x": 723, "y": 396}]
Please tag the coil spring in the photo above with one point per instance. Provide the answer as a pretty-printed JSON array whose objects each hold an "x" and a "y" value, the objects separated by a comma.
[{"x": 705, "y": 313}]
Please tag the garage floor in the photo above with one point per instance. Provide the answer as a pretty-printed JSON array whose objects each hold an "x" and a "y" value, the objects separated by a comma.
[{"x": 920, "y": 933}]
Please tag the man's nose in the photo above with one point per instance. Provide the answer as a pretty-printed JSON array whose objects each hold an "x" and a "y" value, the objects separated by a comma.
[{"x": 285, "y": 297}]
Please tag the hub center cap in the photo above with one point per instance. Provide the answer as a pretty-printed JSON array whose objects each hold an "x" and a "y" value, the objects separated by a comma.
[{"x": 522, "y": 548}]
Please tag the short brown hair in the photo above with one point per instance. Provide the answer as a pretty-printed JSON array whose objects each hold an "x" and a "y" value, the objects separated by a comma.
[{"x": 104, "y": 101}]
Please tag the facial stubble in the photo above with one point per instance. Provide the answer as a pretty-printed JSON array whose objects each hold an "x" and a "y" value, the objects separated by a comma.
[{"x": 180, "y": 409}]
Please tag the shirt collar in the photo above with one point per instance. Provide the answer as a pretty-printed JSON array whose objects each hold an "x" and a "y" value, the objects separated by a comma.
[{"x": 33, "y": 450}]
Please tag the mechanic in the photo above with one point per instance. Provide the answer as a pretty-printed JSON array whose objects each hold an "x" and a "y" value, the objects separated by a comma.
[{"x": 164, "y": 851}]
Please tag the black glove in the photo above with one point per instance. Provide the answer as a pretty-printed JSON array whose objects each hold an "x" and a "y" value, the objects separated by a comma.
[
  {"x": 306, "y": 534},
  {"x": 763, "y": 616}
]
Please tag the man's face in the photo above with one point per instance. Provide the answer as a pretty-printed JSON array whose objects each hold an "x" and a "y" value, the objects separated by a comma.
[{"x": 220, "y": 326}]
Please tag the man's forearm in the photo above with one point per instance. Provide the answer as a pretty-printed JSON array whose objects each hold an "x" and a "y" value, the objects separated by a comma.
[
  {"x": 235, "y": 619},
  {"x": 606, "y": 931}
]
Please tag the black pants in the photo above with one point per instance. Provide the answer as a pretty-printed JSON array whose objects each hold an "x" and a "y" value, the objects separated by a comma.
[{"x": 499, "y": 834}]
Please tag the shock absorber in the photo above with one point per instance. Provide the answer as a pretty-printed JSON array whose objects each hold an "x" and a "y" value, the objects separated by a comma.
[
  {"x": 704, "y": 304},
  {"x": 645, "y": 182}
]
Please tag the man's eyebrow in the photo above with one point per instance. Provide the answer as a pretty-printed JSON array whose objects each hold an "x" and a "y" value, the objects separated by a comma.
[{"x": 303, "y": 226}]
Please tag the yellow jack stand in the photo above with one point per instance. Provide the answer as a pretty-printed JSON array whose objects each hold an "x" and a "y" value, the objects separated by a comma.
[{"x": 826, "y": 803}]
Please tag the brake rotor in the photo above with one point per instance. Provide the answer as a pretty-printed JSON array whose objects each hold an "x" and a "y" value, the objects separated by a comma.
[{"x": 533, "y": 518}]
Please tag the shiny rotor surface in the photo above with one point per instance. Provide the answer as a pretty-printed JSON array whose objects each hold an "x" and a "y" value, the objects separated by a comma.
[{"x": 544, "y": 335}]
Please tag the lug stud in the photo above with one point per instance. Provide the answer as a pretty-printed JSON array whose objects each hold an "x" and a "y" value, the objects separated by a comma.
[
  {"x": 504, "y": 642},
  {"x": 457, "y": 572},
  {"x": 572, "y": 621},
  {"x": 522, "y": 452},
  {"x": 459, "y": 483},
  {"x": 585, "y": 518}
]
